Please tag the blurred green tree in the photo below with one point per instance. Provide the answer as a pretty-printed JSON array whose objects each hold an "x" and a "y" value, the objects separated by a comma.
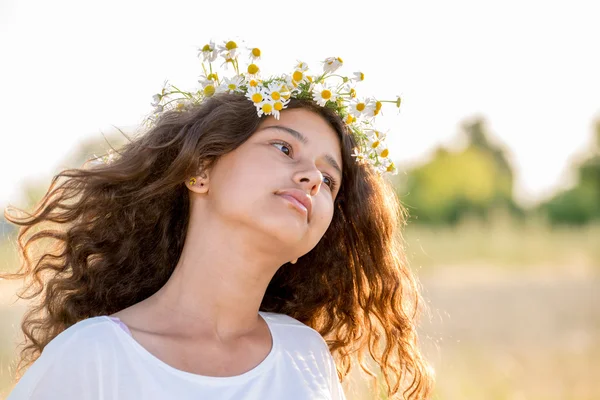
[
  {"x": 474, "y": 181},
  {"x": 581, "y": 203}
]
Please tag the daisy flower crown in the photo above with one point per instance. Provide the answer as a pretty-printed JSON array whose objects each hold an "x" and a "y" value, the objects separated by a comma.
[{"x": 271, "y": 95}]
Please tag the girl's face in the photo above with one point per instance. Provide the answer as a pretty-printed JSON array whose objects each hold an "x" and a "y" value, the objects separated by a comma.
[{"x": 254, "y": 185}]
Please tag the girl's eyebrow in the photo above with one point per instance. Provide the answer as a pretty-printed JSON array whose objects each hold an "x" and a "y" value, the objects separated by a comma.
[{"x": 328, "y": 157}]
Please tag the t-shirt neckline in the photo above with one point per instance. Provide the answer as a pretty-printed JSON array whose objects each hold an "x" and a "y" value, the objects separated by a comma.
[{"x": 265, "y": 364}]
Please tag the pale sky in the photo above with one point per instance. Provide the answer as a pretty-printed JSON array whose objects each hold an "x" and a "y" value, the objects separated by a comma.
[{"x": 72, "y": 69}]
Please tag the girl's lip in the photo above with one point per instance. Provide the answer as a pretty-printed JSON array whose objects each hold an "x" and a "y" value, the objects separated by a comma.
[{"x": 297, "y": 205}]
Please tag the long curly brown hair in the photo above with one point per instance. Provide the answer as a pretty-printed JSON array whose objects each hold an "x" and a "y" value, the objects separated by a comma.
[{"x": 117, "y": 231}]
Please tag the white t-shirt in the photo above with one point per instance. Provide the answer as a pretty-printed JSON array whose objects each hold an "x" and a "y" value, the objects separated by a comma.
[{"x": 97, "y": 359}]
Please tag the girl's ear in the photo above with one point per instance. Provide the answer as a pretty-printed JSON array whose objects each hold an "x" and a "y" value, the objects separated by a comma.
[{"x": 198, "y": 184}]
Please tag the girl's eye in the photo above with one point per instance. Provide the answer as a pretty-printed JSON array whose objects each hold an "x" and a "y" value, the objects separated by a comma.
[
  {"x": 285, "y": 145},
  {"x": 331, "y": 183}
]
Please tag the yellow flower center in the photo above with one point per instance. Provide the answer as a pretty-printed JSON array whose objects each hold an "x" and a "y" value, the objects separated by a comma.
[
  {"x": 350, "y": 119},
  {"x": 256, "y": 52},
  {"x": 375, "y": 112},
  {"x": 212, "y": 77},
  {"x": 378, "y": 105},
  {"x": 360, "y": 106},
  {"x": 398, "y": 102},
  {"x": 278, "y": 106},
  {"x": 209, "y": 90},
  {"x": 231, "y": 45},
  {"x": 180, "y": 106},
  {"x": 275, "y": 95},
  {"x": 326, "y": 94},
  {"x": 206, "y": 48},
  {"x": 297, "y": 76},
  {"x": 352, "y": 93},
  {"x": 375, "y": 144},
  {"x": 340, "y": 60},
  {"x": 267, "y": 108},
  {"x": 232, "y": 86},
  {"x": 310, "y": 78},
  {"x": 252, "y": 69},
  {"x": 254, "y": 83},
  {"x": 257, "y": 97},
  {"x": 362, "y": 76},
  {"x": 384, "y": 153},
  {"x": 390, "y": 168}
]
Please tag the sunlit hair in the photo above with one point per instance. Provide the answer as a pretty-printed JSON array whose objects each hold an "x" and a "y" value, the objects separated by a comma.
[{"x": 118, "y": 231}]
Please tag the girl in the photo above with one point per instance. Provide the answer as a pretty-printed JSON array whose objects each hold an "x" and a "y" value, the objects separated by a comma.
[{"x": 222, "y": 255}]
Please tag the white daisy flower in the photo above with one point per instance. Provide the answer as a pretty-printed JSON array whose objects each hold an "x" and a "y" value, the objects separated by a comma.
[
  {"x": 279, "y": 105},
  {"x": 375, "y": 134},
  {"x": 360, "y": 107},
  {"x": 376, "y": 145},
  {"x": 331, "y": 64},
  {"x": 382, "y": 151},
  {"x": 377, "y": 108},
  {"x": 275, "y": 91},
  {"x": 209, "y": 89},
  {"x": 257, "y": 94},
  {"x": 358, "y": 76},
  {"x": 291, "y": 83},
  {"x": 253, "y": 70},
  {"x": 301, "y": 66},
  {"x": 373, "y": 107},
  {"x": 299, "y": 76},
  {"x": 266, "y": 107},
  {"x": 208, "y": 52},
  {"x": 231, "y": 85},
  {"x": 386, "y": 165},
  {"x": 229, "y": 50},
  {"x": 184, "y": 104},
  {"x": 156, "y": 100},
  {"x": 252, "y": 81},
  {"x": 255, "y": 53},
  {"x": 350, "y": 119},
  {"x": 359, "y": 155},
  {"x": 391, "y": 168},
  {"x": 323, "y": 93},
  {"x": 210, "y": 79}
]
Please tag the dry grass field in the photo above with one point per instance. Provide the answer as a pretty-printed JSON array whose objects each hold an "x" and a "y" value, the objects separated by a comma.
[{"x": 513, "y": 312}]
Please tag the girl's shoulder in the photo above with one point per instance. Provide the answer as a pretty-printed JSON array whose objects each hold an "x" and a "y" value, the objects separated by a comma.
[
  {"x": 294, "y": 332},
  {"x": 78, "y": 351},
  {"x": 83, "y": 333},
  {"x": 285, "y": 322}
]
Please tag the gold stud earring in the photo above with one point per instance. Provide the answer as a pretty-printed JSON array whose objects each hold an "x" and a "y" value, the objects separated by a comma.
[{"x": 192, "y": 181}]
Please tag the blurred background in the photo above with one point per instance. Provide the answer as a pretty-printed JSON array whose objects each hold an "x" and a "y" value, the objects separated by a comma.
[{"x": 497, "y": 143}]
